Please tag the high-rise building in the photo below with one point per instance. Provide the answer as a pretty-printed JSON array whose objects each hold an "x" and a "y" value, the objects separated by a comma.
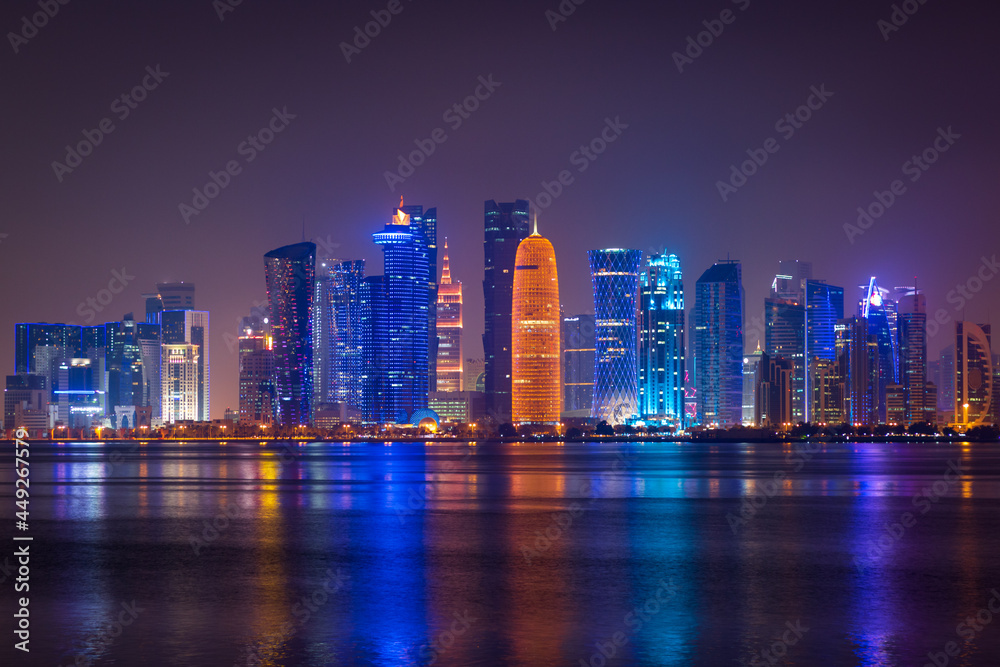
[
  {"x": 474, "y": 372},
  {"x": 404, "y": 322},
  {"x": 323, "y": 333},
  {"x": 912, "y": 327},
  {"x": 257, "y": 392},
  {"x": 506, "y": 225},
  {"x": 40, "y": 347},
  {"x": 26, "y": 395},
  {"x": 535, "y": 336},
  {"x": 449, "y": 329},
  {"x": 375, "y": 350},
  {"x": 858, "y": 362},
  {"x": 751, "y": 378},
  {"x": 180, "y": 379},
  {"x": 881, "y": 314},
  {"x": 425, "y": 222},
  {"x": 790, "y": 281},
  {"x": 578, "y": 350},
  {"x": 615, "y": 276},
  {"x": 785, "y": 337},
  {"x": 175, "y": 296},
  {"x": 973, "y": 374},
  {"x": 945, "y": 381},
  {"x": 190, "y": 327},
  {"x": 826, "y": 393},
  {"x": 290, "y": 272},
  {"x": 661, "y": 341},
  {"x": 773, "y": 391},
  {"x": 718, "y": 314},
  {"x": 133, "y": 366},
  {"x": 824, "y": 307},
  {"x": 345, "y": 288}
]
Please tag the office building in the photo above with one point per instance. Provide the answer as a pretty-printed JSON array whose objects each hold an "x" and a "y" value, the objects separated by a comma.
[
  {"x": 615, "y": 276},
  {"x": 180, "y": 382},
  {"x": 785, "y": 337},
  {"x": 290, "y": 275},
  {"x": 536, "y": 382},
  {"x": 912, "y": 328},
  {"x": 346, "y": 357},
  {"x": 26, "y": 402},
  {"x": 858, "y": 361},
  {"x": 824, "y": 307},
  {"x": 881, "y": 314},
  {"x": 718, "y": 314},
  {"x": 258, "y": 395},
  {"x": 973, "y": 374},
  {"x": 449, "y": 330},
  {"x": 190, "y": 327},
  {"x": 506, "y": 225},
  {"x": 661, "y": 341},
  {"x": 174, "y": 296},
  {"x": 578, "y": 350}
]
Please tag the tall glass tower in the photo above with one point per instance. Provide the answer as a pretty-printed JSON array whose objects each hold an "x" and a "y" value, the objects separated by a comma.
[
  {"x": 346, "y": 337},
  {"x": 661, "y": 341},
  {"x": 536, "y": 387},
  {"x": 824, "y": 308},
  {"x": 506, "y": 225},
  {"x": 785, "y": 337},
  {"x": 615, "y": 276},
  {"x": 912, "y": 321},
  {"x": 973, "y": 374},
  {"x": 406, "y": 322},
  {"x": 718, "y": 313},
  {"x": 291, "y": 273},
  {"x": 189, "y": 327},
  {"x": 449, "y": 330},
  {"x": 881, "y": 313}
]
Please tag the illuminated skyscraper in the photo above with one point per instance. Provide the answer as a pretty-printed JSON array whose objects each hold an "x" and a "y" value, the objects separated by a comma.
[
  {"x": 425, "y": 222},
  {"x": 578, "y": 364},
  {"x": 661, "y": 341},
  {"x": 535, "y": 335},
  {"x": 176, "y": 296},
  {"x": 718, "y": 334},
  {"x": 257, "y": 393},
  {"x": 346, "y": 338},
  {"x": 449, "y": 330},
  {"x": 615, "y": 276},
  {"x": 973, "y": 374},
  {"x": 785, "y": 337},
  {"x": 858, "y": 367},
  {"x": 506, "y": 225},
  {"x": 40, "y": 347},
  {"x": 824, "y": 307},
  {"x": 880, "y": 312},
  {"x": 403, "y": 324},
  {"x": 179, "y": 379},
  {"x": 188, "y": 327},
  {"x": 912, "y": 325},
  {"x": 290, "y": 273}
]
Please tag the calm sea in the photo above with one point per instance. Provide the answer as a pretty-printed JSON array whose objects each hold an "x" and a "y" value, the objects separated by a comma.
[{"x": 238, "y": 553}]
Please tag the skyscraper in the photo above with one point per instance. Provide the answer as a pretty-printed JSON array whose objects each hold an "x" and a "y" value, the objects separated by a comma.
[
  {"x": 176, "y": 296},
  {"x": 718, "y": 313},
  {"x": 405, "y": 320},
  {"x": 290, "y": 274},
  {"x": 535, "y": 336},
  {"x": 661, "y": 340},
  {"x": 190, "y": 327},
  {"x": 179, "y": 379},
  {"x": 40, "y": 347},
  {"x": 425, "y": 222},
  {"x": 858, "y": 362},
  {"x": 880, "y": 312},
  {"x": 973, "y": 374},
  {"x": 449, "y": 330},
  {"x": 375, "y": 351},
  {"x": 323, "y": 333},
  {"x": 346, "y": 357},
  {"x": 824, "y": 307},
  {"x": 912, "y": 324},
  {"x": 506, "y": 225},
  {"x": 132, "y": 362},
  {"x": 578, "y": 349},
  {"x": 257, "y": 392},
  {"x": 785, "y": 337},
  {"x": 615, "y": 276}
]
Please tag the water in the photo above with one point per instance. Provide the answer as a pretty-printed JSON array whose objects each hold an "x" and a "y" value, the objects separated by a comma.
[{"x": 539, "y": 554}]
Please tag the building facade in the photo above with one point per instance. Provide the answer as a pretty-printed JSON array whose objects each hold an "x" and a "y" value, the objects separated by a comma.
[
  {"x": 661, "y": 341},
  {"x": 718, "y": 335},
  {"x": 578, "y": 350},
  {"x": 449, "y": 330}
]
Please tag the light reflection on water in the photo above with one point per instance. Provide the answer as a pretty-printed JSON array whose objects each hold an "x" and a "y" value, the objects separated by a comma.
[{"x": 546, "y": 551}]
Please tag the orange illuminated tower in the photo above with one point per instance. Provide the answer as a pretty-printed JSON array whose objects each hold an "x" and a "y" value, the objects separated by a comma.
[
  {"x": 449, "y": 330},
  {"x": 535, "y": 332}
]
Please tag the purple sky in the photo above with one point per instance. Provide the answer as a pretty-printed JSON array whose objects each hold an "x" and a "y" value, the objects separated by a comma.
[{"x": 653, "y": 188}]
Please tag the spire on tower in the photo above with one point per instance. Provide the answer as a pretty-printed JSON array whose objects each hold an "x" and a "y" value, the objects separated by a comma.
[{"x": 445, "y": 265}]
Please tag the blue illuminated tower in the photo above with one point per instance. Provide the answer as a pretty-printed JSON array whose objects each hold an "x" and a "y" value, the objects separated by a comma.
[
  {"x": 405, "y": 323},
  {"x": 346, "y": 340},
  {"x": 718, "y": 335},
  {"x": 615, "y": 276},
  {"x": 290, "y": 273},
  {"x": 661, "y": 341},
  {"x": 824, "y": 308},
  {"x": 881, "y": 313}
]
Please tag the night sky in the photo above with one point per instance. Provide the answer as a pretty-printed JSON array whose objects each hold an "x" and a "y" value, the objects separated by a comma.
[{"x": 653, "y": 188}]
